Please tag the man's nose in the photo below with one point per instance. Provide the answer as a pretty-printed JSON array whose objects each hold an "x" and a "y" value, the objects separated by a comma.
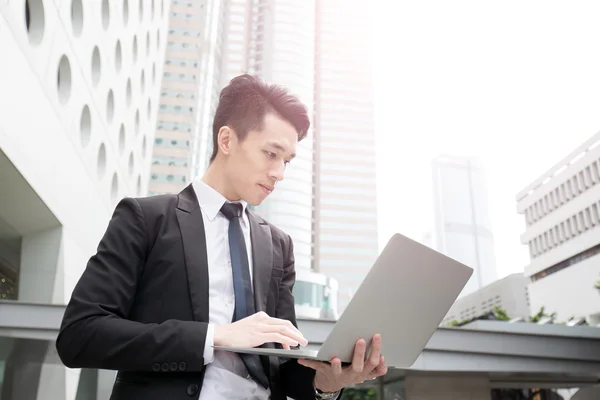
[{"x": 277, "y": 172}]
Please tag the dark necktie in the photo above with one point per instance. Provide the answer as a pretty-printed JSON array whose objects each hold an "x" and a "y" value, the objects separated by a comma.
[{"x": 244, "y": 300}]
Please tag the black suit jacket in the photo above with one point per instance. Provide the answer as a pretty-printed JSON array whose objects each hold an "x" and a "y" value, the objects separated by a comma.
[{"x": 141, "y": 305}]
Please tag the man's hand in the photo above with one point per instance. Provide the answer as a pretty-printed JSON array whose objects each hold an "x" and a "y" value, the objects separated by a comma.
[
  {"x": 331, "y": 377},
  {"x": 258, "y": 329}
]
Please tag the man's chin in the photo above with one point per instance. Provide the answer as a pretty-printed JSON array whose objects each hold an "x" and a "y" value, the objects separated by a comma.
[{"x": 255, "y": 203}]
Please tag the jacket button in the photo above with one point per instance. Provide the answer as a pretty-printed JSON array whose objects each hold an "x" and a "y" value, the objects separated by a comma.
[
  {"x": 182, "y": 366},
  {"x": 173, "y": 366},
  {"x": 164, "y": 367},
  {"x": 192, "y": 389},
  {"x": 156, "y": 367}
]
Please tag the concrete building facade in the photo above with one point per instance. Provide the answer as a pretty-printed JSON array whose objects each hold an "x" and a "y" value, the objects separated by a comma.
[
  {"x": 462, "y": 225},
  {"x": 79, "y": 84},
  {"x": 561, "y": 209},
  {"x": 508, "y": 293}
]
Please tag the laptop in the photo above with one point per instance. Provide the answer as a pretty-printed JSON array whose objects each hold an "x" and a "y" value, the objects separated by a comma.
[{"x": 404, "y": 297}]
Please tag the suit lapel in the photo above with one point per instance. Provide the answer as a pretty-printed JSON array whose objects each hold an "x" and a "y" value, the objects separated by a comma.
[
  {"x": 262, "y": 260},
  {"x": 189, "y": 217}
]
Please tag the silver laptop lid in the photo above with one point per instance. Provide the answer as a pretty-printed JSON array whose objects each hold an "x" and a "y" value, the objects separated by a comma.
[{"x": 404, "y": 297}]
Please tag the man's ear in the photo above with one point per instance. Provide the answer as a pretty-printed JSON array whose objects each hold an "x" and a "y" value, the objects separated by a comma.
[{"x": 225, "y": 139}]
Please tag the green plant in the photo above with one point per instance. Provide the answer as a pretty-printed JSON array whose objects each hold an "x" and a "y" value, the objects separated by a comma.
[
  {"x": 541, "y": 314},
  {"x": 454, "y": 323},
  {"x": 500, "y": 314},
  {"x": 358, "y": 393},
  {"x": 597, "y": 285}
]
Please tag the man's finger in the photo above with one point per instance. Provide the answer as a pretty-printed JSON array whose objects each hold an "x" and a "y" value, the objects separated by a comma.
[
  {"x": 336, "y": 366},
  {"x": 380, "y": 370},
  {"x": 279, "y": 321},
  {"x": 358, "y": 359},
  {"x": 275, "y": 337},
  {"x": 375, "y": 352},
  {"x": 286, "y": 331}
]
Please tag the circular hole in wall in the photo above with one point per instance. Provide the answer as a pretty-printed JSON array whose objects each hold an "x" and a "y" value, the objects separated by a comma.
[
  {"x": 125, "y": 12},
  {"x": 96, "y": 66},
  {"x": 63, "y": 80},
  {"x": 85, "y": 126},
  {"x": 128, "y": 92},
  {"x": 101, "y": 164},
  {"x": 77, "y": 17},
  {"x": 110, "y": 106},
  {"x": 122, "y": 139},
  {"x": 137, "y": 122},
  {"x": 105, "y": 14},
  {"x": 135, "y": 49},
  {"x": 118, "y": 56},
  {"x": 114, "y": 188},
  {"x": 35, "y": 21},
  {"x": 131, "y": 163}
]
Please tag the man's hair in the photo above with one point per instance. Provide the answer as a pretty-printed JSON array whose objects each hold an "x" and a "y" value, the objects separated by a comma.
[{"x": 244, "y": 103}]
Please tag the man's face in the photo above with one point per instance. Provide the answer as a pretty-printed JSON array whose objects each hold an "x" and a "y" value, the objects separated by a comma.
[{"x": 257, "y": 163}]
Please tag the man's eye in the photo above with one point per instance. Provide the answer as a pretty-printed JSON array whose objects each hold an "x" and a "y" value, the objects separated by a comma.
[{"x": 270, "y": 154}]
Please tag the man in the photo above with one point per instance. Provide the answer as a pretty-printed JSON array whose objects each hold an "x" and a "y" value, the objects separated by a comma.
[{"x": 176, "y": 274}]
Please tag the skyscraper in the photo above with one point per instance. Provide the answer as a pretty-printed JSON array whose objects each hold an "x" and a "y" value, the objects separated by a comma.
[
  {"x": 346, "y": 242},
  {"x": 327, "y": 201},
  {"x": 462, "y": 228},
  {"x": 190, "y": 84},
  {"x": 275, "y": 40}
]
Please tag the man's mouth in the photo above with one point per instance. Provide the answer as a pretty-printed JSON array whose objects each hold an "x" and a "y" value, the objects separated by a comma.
[{"x": 267, "y": 189}]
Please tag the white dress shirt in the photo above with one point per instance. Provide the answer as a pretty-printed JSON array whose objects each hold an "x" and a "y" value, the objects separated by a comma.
[{"x": 226, "y": 377}]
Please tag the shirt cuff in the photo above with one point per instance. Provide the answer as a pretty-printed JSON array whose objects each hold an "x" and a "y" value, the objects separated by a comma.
[{"x": 209, "y": 352}]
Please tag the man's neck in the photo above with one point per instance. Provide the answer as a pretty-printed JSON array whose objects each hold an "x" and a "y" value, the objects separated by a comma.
[{"x": 216, "y": 179}]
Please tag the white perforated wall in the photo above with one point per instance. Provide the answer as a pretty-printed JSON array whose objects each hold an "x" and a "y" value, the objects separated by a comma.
[
  {"x": 79, "y": 85},
  {"x": 98, "y": 63}
]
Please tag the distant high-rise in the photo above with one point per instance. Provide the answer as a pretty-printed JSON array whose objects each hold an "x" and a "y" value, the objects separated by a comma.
[
  {"x": 190, "y": 85},
  {"x": 462, "y": 226},
  {"x": 275, "y": 40},
  {"x": 346, "y": 242},
  {"x": 327, "y": 201}
]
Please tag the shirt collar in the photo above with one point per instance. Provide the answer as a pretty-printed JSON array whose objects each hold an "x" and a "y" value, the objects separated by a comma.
[{"x": 210, "y": 200}]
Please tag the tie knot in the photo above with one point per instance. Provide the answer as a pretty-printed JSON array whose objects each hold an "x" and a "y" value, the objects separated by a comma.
[{"x": 231, "y": 210}]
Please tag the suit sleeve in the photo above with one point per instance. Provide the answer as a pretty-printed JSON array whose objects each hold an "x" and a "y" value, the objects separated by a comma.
[
  {"x": 95, "y": 331},
  {"x": 297, "y": 380}
]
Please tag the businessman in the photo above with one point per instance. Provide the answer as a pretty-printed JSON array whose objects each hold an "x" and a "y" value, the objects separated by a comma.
[{"x": 176, "y": 274}]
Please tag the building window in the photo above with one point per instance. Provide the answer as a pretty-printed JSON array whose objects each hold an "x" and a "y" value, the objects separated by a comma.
[
  {"x": 570, "y": 230},
  {"x": 588, "y": 176},
  {"x": 595, "y": 171},
  {"x": 595, "y": 213},
  {"x": 567, "y": 263}
]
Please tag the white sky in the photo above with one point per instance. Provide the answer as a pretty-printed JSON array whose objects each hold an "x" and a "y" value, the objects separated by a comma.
[{"x": 514, "y": 82}]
